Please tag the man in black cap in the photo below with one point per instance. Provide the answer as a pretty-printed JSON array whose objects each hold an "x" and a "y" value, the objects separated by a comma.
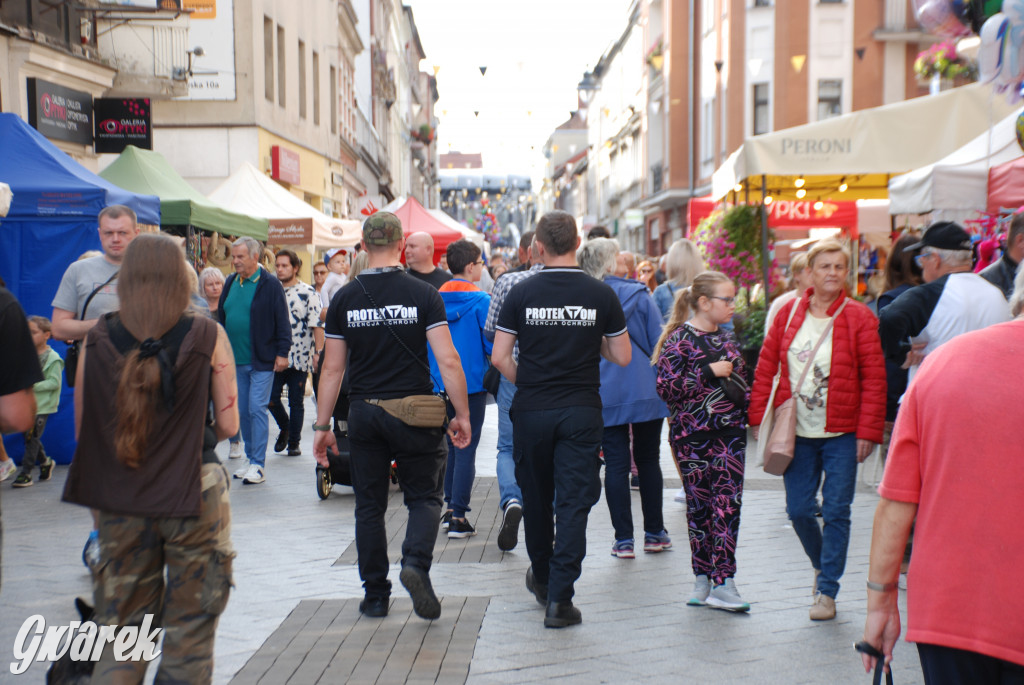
[
  {"x": 953, "y": 299},
  {"x": 385, "y": 318}
]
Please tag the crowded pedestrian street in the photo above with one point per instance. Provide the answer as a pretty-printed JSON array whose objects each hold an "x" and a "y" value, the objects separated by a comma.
[{"x": 293, "y": 615}]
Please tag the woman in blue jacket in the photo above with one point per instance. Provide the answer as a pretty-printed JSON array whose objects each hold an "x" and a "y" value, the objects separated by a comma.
[{"x": 631, "y": 407}]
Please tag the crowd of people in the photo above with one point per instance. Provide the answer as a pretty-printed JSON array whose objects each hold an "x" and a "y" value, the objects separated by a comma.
[{"x": 589, "y": 351}]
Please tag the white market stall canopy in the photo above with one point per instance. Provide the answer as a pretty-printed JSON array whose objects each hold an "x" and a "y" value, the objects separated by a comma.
[
  {"x": 959, "y": 181},
  {"x": 860, "y": 150},
  {"x": 5, "y": 198},
  {"x": 292, "y": 221}
]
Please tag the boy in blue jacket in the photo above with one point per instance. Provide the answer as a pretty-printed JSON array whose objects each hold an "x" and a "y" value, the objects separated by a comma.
[{"x": 467, "y": 307}]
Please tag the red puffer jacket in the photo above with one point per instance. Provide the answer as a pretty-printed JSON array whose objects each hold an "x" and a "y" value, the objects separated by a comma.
[{"x": 856, "y": 386}]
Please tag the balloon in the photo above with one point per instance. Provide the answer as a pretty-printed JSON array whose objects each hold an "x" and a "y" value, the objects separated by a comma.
[
  {"x": 1012, "y": 69},
  {"x": 1014, "y": 10},
  {"x": 1020, "y": 130},
  {"x": 990, "y": 54},
  {"x": 939, "y": 17}
]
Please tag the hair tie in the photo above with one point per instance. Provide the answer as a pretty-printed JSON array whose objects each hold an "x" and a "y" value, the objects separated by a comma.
[
  {"x": 155, "y": 348},
  {"x": 150, "y": 348}
]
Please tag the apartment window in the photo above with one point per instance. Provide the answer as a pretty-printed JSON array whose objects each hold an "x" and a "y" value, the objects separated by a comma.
[
  {"x": 268, "y": 59},
  {"x": 760, "y": 108},
  {"x": 302, "y": 79},
  {"x": 707, "y": 131},
  {"x": 316, "y": 88},
  {"x": 334, "y": 99},
  {"x": 830, "y": 98},
  {"x": 280, "y": 67}
]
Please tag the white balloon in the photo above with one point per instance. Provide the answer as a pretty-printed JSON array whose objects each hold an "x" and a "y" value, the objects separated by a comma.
[
  {"x": 990, "y": 55},
  {"x": 1014, "y": 10}
]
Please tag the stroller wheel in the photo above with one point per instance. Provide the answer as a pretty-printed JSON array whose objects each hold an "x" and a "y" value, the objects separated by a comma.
[{"x": 323, "y": 482}]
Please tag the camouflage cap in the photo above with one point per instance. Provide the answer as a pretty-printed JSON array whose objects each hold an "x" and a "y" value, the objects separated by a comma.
[{"x": 382, "y": 228}]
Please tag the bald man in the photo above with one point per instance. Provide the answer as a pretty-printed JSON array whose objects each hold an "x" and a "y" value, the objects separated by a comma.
[{"x": 419, "y": 256}]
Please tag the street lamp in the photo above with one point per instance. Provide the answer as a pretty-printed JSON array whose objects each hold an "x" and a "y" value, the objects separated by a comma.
[{"x": 587, "y": 87}]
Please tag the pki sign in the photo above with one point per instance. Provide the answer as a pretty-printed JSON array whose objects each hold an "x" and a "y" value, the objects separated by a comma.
[{"x": 802, "y": 214}]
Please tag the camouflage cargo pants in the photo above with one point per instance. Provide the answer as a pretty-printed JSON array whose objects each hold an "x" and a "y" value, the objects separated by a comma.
[{"x": 196, "y": 553}]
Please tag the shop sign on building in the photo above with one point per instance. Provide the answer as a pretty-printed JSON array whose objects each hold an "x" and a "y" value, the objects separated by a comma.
[
  {"x": 284, "y": 165},
  {"x": 59, "y": 113},
  {"x": 121, "y": 122},
  {"x": 290, "y": 232},
  {"x": 212, "y": 28}
]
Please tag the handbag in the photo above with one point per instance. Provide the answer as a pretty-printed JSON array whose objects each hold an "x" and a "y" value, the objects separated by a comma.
[
  {"x": 74, "y": 350},
  {"x": 781, "y": 437},
  {"x": 734, "y": 386},
  {"x": 418, "y": 411},
  {"x": 492, "y": 379}
]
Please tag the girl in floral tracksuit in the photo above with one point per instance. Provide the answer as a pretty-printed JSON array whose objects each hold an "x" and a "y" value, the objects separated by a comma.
[{"x": 698, "y": 365}]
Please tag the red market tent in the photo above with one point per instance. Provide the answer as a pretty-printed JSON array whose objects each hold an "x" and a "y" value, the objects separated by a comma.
[
  {"x": 416, "y": 218},
  {"x": 1006, "y": 186}
]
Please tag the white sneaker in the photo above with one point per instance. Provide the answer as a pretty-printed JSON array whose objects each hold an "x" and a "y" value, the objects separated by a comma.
[
  {"x": 237, "y": 450},
  {"x": 681, "y": 496},
  {"x": 701, "y": 590},
  {"x": 726, "y": 597},
  {"x": 7, "y": 469},
  {"x": 254, "y": 475},
  {"x": 240, "y": 473}
]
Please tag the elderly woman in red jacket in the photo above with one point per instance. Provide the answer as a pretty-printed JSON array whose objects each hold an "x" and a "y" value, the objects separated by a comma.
[{"x": 840, "y": 409}]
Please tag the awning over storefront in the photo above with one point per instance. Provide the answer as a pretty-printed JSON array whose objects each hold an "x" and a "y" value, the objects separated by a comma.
[
  {"x": 852, "y": 156},
  {"x": 292, "y": 221},
  {"x": 149, "y": 172},
  {"x": 959, "y": 181}
]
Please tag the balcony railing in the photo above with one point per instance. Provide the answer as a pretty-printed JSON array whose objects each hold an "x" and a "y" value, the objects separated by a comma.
[{"x": 367, "y": 139}]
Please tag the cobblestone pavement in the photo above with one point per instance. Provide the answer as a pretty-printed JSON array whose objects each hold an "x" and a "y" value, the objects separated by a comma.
[{"x": 294, "y": 579}]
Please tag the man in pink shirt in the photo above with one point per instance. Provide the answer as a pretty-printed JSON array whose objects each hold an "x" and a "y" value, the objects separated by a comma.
[{"x": 956, "y": 462}]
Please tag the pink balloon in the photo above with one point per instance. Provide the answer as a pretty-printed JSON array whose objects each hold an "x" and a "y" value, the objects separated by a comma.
[{"x": 937, "y": 16}]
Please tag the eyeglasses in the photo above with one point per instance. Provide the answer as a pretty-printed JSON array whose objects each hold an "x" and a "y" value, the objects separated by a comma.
[
  {"x": 727, "y": 300},
  {"x": 479, "y": 261},
  {"x": 320, "y": 272},
  {"x": 918, "y": 258}
]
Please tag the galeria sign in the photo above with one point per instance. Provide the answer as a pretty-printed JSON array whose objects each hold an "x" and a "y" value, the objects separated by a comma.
[{"x": 83, "y": 641}]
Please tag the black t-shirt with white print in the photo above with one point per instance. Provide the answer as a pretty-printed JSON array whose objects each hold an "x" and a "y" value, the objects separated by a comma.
[
  {"x": 378, "y": 367},
  {"x": 560, "y": 317}
]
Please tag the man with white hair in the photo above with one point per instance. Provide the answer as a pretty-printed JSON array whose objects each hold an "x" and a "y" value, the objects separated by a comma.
[
  {"x": 419, "y": 256},
  {"x": 254, "y": 312},
  {"x": 953, "y": 299}
]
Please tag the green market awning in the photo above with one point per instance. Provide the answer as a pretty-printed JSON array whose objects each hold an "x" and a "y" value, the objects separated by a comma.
[{"x": 148, "y": 172}]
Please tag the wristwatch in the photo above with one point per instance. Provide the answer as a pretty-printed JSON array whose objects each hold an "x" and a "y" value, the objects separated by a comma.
[{"x": 325, "y": 427}]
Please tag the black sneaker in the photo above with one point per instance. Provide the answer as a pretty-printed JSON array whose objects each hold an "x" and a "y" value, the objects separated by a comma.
[
  {"x": 374, "y": 607},
  {"x": 461, "y": 528},
  {"x": 23, "y": 480},
  {"x": 424, "y": 601},
  {"x": 294, "y": 451},
  {"x": 562, "y": 615},
  {"x": 46, "y": 470},
  {"x": 634, "y": 482},
  {"x": 282, "y": 441},
  {"x": 508, "y": 536},
  {"x": 446, "y": 519}
]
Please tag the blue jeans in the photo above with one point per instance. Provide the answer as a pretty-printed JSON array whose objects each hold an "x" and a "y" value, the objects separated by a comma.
[
  {"x": 646, "y": 451},
  {"x": 837, "y": 459},
  {"x": 508, "y": 488},
  {"x": 557, "y": 461},
  {"x": 461, "y": 468},
  {"x": 253, "y": 396}
]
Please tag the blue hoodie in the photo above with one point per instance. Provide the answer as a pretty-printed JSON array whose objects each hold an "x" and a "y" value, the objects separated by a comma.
[
  {"x": 629, "y": 395},
  {"x": 467, "y": 307}
]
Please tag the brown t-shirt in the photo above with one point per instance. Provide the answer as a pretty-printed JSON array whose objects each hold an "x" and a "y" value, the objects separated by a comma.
[{"x": 167, "y": 482}]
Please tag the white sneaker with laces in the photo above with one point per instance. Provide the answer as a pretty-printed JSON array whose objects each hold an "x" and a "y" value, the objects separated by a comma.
[
  {"x": 237, "y": 450},
  {"x": 680, "y": 496},
  {"x": 726, "y": 597},
  {"x": 701, "y": 590},
  {"x": 240, "y": 473},
  {"x": 7, "y": 469},
  {"x": 254, "y": 475}
]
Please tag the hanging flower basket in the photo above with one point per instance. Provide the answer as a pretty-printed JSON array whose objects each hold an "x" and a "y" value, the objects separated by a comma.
[
  {"x": 943, "y": 60},
  {"x": 425, "y": 134}
]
